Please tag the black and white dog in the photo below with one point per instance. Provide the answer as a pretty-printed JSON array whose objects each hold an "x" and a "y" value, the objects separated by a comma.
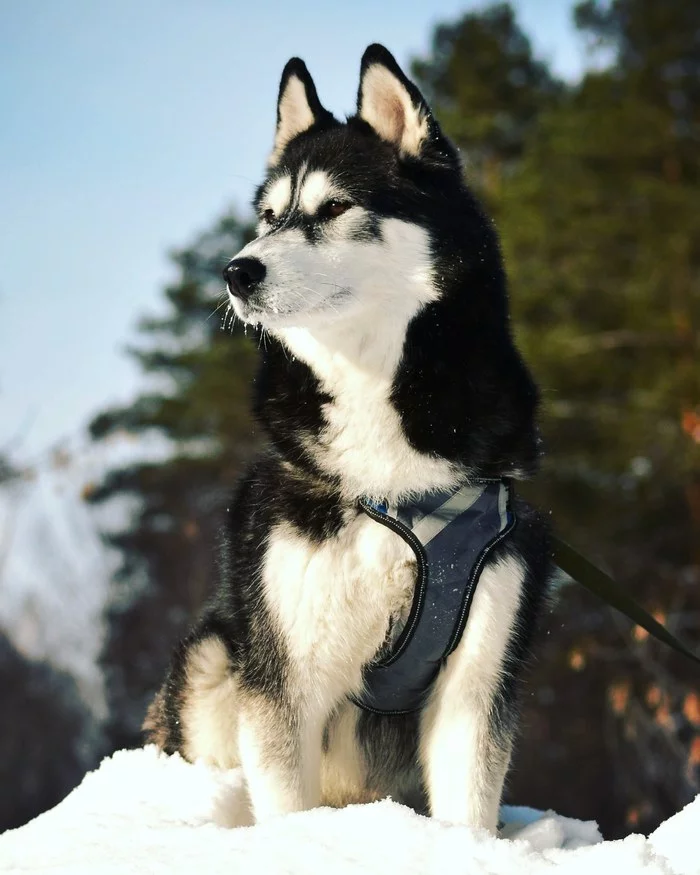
[{"x": 390, "y": 381}]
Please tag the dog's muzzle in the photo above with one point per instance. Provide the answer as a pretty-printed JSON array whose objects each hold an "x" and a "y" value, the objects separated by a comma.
[{"x": 243, "y": 276}]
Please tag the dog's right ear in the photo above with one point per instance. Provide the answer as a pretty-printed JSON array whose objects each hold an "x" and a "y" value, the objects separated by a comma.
[
  {"x": 397, "y": 112},
  {"x": 298, "y": 107}
]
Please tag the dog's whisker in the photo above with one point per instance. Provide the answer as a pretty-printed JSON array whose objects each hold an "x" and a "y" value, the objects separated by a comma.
[
  {"x": 229, "y": 319},
  {"x": 214, "y": 312}
]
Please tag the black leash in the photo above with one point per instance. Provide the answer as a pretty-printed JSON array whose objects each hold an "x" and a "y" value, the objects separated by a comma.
[{"x": 605, "y": 587}]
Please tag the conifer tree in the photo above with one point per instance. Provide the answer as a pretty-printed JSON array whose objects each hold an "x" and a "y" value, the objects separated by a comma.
[
  {"x": 488, "y": 89},
  {"x": 597, "y": 210},
  {"x": 199, "y": 379}
]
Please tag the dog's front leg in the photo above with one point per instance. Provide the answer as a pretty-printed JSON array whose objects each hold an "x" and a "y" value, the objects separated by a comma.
[
  {"x": 466, "y": 727},
  {"x": 465, "y": 762},
  {"x": 281, "y": 757}
]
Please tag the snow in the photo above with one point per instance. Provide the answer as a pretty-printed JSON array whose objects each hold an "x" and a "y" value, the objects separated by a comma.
[
  {"x": 55, "y": 567},
  {"x": 679, "y": 839},
  {"x": 142, "y": 811}
]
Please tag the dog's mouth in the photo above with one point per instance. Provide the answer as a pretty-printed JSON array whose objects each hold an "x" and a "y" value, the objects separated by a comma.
[
  {"x": 248, "y": 311},
  {"x": 271, "y": 311}
]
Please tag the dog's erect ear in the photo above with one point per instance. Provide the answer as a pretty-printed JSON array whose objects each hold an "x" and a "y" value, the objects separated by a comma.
[
  {"x": 396, "y": 109},
  {"x": 298, "y": 107}
]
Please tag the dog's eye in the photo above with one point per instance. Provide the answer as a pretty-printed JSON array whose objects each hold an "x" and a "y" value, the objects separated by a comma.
[
  {"x": 332, "y": 209},
  {"x": 269, "y": 216}
]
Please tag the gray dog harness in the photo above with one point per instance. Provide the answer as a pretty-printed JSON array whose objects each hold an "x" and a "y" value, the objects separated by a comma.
[{"x": 451, "y": 535}]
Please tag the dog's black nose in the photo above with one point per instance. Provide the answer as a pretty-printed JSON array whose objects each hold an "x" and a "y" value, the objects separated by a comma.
[{"x": 242, "y": 275}]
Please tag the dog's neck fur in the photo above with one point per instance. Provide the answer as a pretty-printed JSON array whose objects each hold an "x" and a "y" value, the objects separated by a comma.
[
  {"x": 405, "y": 400},
  {"x": 413, "y": 383},
  {"x": 363, "y": 446},
  {"x": 343, "y": 349}
]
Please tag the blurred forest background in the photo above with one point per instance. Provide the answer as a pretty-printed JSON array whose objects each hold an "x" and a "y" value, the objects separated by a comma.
[{"x": 595, "y": 189}]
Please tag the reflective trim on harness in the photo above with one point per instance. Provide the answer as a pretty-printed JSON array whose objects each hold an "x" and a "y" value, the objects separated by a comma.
[{"x": 451, "y": 535}]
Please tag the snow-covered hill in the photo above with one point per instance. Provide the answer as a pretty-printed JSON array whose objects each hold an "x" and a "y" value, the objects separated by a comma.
[
  {"x": 54, "y": 566},
  {"x": 145, "y": 812}
]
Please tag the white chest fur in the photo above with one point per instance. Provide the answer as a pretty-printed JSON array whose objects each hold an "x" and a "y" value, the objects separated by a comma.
[{"x": 333, "y": 600}]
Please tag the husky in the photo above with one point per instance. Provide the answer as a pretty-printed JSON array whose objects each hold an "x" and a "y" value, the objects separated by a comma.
[{"x": 389, "y": 380}]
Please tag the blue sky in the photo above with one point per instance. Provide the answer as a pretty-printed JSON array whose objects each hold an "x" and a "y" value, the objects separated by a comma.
[{"x": 126, "y": 126}]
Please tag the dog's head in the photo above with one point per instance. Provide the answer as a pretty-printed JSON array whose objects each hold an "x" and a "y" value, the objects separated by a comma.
[{"x": 353, "y": 217}]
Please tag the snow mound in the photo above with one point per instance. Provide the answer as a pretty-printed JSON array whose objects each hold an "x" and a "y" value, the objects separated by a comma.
[
  {"x": 55, "y": 568},
  {"x": 142, "y": 811}
]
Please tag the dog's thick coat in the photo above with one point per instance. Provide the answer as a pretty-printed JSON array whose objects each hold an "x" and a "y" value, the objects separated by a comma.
[{"x": 390, "y": 372}]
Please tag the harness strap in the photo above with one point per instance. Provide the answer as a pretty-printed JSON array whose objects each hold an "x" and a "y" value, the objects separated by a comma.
[{"x": 451, "y": 536}]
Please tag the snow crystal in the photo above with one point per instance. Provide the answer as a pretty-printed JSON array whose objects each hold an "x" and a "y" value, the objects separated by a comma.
[{"x": 145, "y": 812}]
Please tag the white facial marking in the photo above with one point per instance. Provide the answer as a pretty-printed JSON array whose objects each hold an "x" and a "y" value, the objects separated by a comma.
[
  {"x": 278, "y": 195},
  {"x": 387, "y": 106},
  {"x": 343, "y": 306},
  {"x": 342, "y": 280},
  {"x": 316, "y": 189}
]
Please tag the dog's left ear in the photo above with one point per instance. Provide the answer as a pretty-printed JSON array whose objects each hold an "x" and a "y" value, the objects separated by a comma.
[
  {"x": 298, "y": 107},
  {"x": 397, "y": 111}
]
